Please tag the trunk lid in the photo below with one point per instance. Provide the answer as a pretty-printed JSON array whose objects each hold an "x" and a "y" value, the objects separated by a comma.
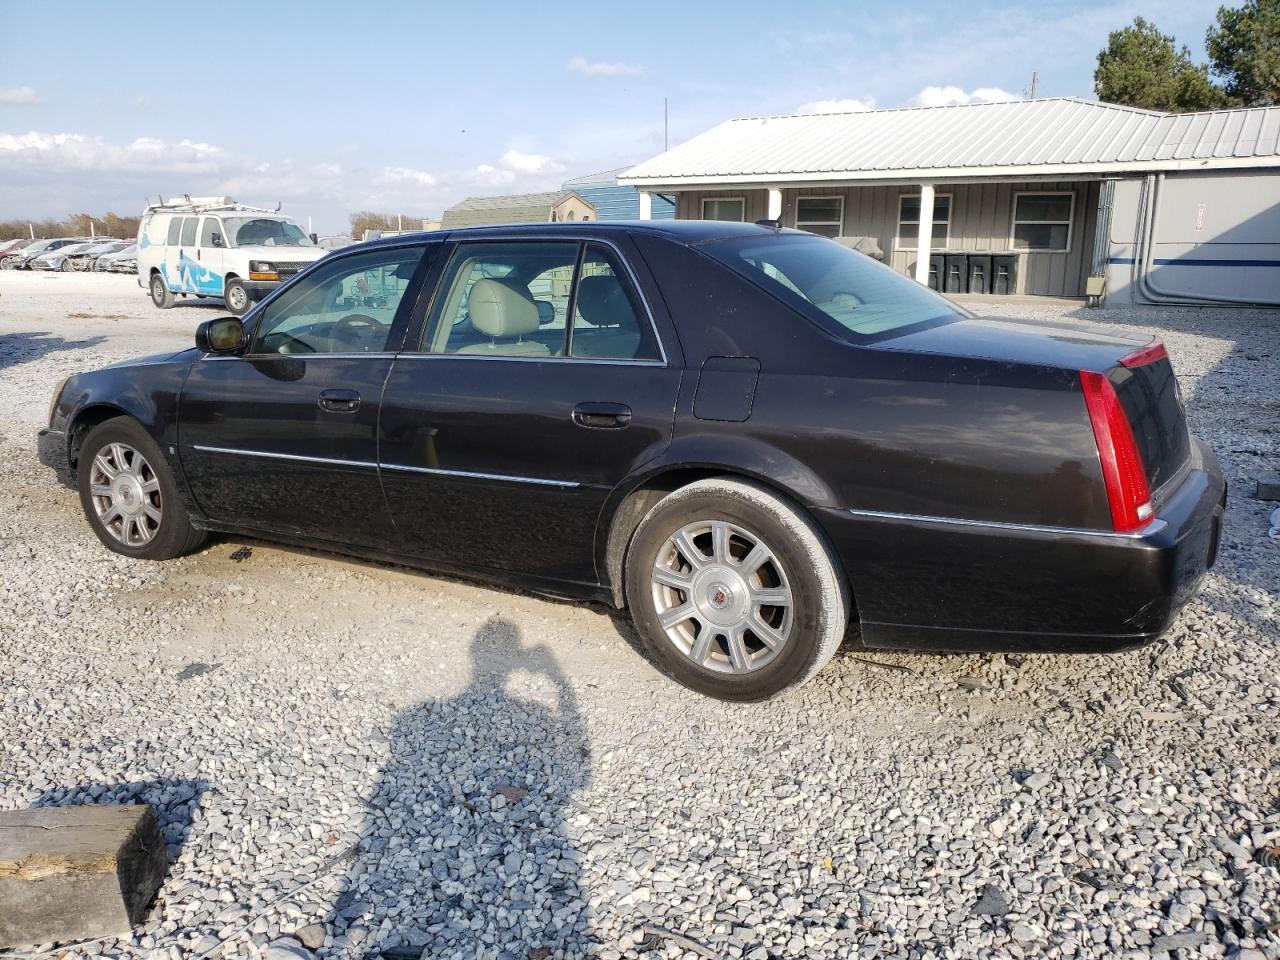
[{"x": 1145, "y": 385}]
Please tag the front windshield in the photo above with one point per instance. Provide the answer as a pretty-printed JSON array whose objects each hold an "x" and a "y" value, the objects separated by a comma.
[
  {"x": 264, "y": 232},
  {"x": 829, "y": 282}
]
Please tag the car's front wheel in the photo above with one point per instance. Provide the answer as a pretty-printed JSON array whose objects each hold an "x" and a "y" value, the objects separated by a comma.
[
  {"x": 129, "y": 495},
  {"x": 161, "y": 296},
  {"x": 734, "y": 591}
]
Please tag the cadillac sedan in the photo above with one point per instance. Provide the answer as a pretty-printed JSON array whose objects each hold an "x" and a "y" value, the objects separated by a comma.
[{"x": 749, "y": 438}]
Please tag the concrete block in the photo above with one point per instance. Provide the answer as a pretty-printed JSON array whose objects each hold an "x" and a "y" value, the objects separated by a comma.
[
  {"x": 78, "y": 872},
  {"x": 1268, "y": 488}
]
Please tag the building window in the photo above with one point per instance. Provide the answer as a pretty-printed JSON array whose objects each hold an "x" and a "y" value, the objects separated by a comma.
[
  {"x": 724, "y": 208},
  {"x": 821, "y": 215},
  {"x": 1042, "y": 221},
  {"x": 909, "y": 221}
]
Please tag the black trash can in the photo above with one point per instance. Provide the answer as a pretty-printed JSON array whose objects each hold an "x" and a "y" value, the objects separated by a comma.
[
  {"x": 1004, "y": 274},
  {"x": 936, "y": 268},
  {"x": 955, "y": 278},
  {"x": 979, "y": 273}
]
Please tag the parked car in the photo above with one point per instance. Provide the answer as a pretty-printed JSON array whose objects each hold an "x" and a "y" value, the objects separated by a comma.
[
  {"x": 65, "y": 258},
  {"x": 11, "y": 246},
  {"x": 22, "y": 259},
  {"x": 746, "y": 436},
  {"x": 89, "y": 259},
  {"x": 215, "y": 247},
  {"x": 124, "y": 260},
  {"x": 336, "y": 242}
]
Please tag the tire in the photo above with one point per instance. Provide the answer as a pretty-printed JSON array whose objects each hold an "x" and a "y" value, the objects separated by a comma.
[
  {"x": 236, "y": 297},
  {"x": 67, "y": 266},
  {"x": 137, "y": 510},
  {"x": 161, "y": 295},
  {"x": 791, "y": 640}
]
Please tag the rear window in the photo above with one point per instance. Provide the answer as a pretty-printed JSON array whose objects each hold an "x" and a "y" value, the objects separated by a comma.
[{"x": 846, "y": 292}]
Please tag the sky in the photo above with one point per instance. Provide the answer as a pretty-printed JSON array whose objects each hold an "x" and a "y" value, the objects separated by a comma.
[{"x": 408, "y": 107}]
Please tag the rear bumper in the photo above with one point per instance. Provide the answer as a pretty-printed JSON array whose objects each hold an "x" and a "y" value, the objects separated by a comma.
[
  {"x": 51, "y": 447},
  {"x": 940, "y": 584}
]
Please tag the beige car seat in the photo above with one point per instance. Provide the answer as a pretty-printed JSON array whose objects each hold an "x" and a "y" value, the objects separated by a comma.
[
  {"x": 505, "y": 314},
  {"x": 614, "y": 332}
]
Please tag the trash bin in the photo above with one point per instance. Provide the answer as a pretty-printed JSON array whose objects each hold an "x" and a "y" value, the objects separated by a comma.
[
  {"x": 955, "y": 279},
  {"x": 1004, "y": 274},
  {"x": 979, "y": 273},
  {"x": 936, "y": 269}
]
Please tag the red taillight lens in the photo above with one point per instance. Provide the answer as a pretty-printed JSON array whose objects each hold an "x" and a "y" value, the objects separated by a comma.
[
  {"x": 1146, "y": 355},
  {"x": 1126, "y": 478}
]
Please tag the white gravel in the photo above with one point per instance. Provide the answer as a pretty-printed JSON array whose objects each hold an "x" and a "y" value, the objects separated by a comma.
[{"x": 420, "y": 765}]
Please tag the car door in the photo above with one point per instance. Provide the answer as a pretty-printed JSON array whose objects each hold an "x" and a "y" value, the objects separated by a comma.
[
  {"x": 499, "y": 441},
  {"x": 283, "y": 439}
]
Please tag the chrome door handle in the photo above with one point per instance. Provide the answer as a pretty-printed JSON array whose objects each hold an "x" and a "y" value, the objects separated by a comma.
[
  {"x": 604, "y": 416},
  {"x": 339, "y": 401}
]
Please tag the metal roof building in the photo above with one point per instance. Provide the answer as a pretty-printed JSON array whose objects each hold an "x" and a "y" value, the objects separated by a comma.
[
  {"x": 1064, "y": 190},
  {"x": 615, "y": 201},
  {"x": 518, "y": 208}
]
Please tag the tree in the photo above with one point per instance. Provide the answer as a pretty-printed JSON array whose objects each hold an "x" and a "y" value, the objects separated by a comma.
[
  {"x": 368, "y": 220},
  {"x": 1244, "y": 50},
  {"x": 1141, "y": 67}
]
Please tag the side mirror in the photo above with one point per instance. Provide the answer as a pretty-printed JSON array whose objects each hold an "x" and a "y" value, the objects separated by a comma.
[
  {"x": 215, "y": 240},
  {"x": 315, "y": 238},
  {"x": 224, "y": 335}
]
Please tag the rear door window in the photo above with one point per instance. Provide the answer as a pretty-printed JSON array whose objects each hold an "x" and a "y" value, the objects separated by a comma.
[
  {"x": 188, "y": 232},
  {"x": 175, "y": 230},
  {"x": 609, "y": 321}
]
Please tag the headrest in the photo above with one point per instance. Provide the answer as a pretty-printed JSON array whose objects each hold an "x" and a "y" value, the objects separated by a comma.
[
  {"x": 501, "y": 310},
  {"x": 602, "y": 302}
]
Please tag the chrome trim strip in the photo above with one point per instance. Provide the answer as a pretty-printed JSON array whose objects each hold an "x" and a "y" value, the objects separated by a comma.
[
  {"x": 284, "y": 456},
  {"x": 471, "y": 475},
  {"x": 547, "y": 359},
  {"x": 1154, "y": 526},
  {"x": 434, "y": 471}
]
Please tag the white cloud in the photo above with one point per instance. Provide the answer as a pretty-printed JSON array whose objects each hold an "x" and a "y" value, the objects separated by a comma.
[
  {"x": 45, "y": 174},
  {"x": 588, "y": 69},
  {"x": 950, "y": 96},
  {"x": 847, "y": 105},
  {"x": 19, "y": 97},
  {"x": 524, "y": 162}
]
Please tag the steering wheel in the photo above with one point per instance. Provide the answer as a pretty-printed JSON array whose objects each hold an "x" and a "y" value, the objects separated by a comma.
[{"x": 357, "y": 323}]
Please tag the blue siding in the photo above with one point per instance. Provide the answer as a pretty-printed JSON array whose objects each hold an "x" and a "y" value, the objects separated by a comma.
[{"x": 614, "y": 202}]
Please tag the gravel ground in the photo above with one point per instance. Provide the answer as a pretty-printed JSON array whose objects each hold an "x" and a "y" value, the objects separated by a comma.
[{"x": 370, "y": 761}]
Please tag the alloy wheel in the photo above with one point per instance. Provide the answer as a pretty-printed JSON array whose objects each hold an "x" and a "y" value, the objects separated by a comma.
[
  {"x": 125, "y": 493},
  {"x": 722, "y": 596}
]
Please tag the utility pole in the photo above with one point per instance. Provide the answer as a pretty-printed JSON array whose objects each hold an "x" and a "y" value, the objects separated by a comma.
[
  {"x": 1035, "y": 82},
  {"x": 665, "y": 125}
]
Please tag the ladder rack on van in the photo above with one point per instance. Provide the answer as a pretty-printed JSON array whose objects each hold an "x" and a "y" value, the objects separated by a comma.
[{"x": 197, "y": 205}]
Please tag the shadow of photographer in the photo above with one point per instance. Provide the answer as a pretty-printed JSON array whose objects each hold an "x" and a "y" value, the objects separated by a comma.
[{"x": 463, "y": 849}]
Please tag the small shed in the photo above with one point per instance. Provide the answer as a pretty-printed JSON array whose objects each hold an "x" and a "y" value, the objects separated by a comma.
[
  {"x": 615, "y": 201},
  {"x": 559, "y": 205}
]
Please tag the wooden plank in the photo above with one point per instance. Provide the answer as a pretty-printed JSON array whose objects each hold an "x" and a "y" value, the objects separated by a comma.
[{"x": 78, "y": 872}]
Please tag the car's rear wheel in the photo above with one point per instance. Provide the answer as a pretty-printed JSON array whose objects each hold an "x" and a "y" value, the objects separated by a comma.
[
  {"x": 161, "y": 295},
  {"x": 734, "y": 591},
  {"x": 129, "y": 495},
  {"x": 237, "y": 297},
  {"x": 68, "y": 265}
]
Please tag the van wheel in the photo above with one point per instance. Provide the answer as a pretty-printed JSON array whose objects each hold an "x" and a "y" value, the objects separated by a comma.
[
  {"x": 161, "y": 295},
  {"x": 236, "y": 297},
  {"x": 734, "y": 591}
]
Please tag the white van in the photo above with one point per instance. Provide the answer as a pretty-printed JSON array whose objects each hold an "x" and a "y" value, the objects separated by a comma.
[{"x": 215, "y": 247}]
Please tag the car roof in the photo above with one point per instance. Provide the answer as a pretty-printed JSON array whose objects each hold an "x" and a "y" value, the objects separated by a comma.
[{"x": 688, "y": 232}]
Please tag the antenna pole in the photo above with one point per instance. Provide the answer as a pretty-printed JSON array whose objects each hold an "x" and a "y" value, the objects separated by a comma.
[
  {"x": 665, "y": 124},
  {"x": 1035, "y": 82}
]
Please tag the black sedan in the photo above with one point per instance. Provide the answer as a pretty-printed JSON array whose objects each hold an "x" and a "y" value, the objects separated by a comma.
[{"x": 747, "y": 437}]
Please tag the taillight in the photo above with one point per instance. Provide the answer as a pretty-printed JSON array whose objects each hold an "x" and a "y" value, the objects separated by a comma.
[
  {"x": 1144, "y": 356},
  {"x": 1122, "y": 470}
]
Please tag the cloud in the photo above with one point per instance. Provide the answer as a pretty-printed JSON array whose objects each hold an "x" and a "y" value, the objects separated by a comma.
[
  {"x": 524, "y": 162},
  {"x": 847, "y": 105},
  {"x": 45, "y": 174},
  {"x": 19, "y": 97},
  {"x": 950, "y": 96},
  {"x": 588, "y": 69}
]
